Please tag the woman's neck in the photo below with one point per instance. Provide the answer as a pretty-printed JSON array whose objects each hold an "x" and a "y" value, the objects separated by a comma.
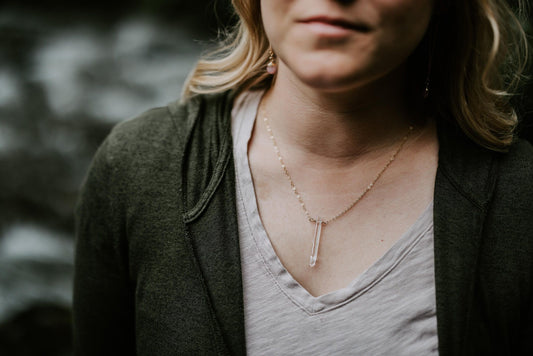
[{"x": 338, "y": 126}]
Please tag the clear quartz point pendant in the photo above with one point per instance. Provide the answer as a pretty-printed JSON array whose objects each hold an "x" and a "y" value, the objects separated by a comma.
[{"x": 316, "y": 242}]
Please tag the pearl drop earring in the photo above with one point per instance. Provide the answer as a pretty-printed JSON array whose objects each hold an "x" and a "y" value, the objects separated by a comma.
[{"x": 272, "y": 67}]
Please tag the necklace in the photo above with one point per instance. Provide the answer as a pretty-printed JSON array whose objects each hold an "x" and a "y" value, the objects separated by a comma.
[{"x": 318, "y": 221}]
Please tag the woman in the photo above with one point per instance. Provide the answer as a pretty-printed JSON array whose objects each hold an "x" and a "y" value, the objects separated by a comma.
[{"x": 340, "y": 178}]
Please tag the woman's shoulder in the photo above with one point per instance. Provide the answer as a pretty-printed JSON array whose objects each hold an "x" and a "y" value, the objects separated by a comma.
[
  {"x": 516, "y": 165},
  {"x": 140, "y": 129},
  {"x": 522, "y": 151},
  {"x": 162, "y": 129},
  {"x": 513, "y": 188},
  {"x": 500, "y": 181},
  {"x": 462, "y": 157}
]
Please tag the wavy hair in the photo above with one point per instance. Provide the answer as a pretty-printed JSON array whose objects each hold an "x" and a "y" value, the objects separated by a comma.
[{"x": 473, "y": 56}]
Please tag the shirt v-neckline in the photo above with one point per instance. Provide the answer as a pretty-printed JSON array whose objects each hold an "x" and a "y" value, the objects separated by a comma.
[{"x": 243, "y": 115}]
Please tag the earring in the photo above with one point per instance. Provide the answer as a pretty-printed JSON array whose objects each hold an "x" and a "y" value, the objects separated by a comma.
[
  {"x": 427, "y": 83},
  {"x": 272, "y": 67},
  {"x": 426, "y": 88},
  {"x": 425, "y": 94},
  {"x": 431, "y": 50}
]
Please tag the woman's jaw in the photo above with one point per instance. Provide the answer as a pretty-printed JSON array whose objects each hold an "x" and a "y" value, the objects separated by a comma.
[{"x": 335, "y": 47}]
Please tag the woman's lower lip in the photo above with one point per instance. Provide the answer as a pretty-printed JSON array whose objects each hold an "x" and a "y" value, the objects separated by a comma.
[{"x": 327, "y": 29}]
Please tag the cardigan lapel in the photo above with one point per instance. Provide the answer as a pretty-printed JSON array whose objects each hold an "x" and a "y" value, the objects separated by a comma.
[
  {"x": 464, "y": 185},
  {"x": 211, "y": 220}
]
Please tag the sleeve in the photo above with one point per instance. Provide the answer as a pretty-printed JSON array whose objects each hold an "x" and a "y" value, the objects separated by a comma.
[{"x": 103, "y": 312}]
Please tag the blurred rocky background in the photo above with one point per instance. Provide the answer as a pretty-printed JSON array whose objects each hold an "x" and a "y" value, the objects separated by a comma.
[{"x": 69, "y": 71}]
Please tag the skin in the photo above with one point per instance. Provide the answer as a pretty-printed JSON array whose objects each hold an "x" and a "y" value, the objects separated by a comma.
[
  {"x": 335, "y": 65},
  {"x": 338, "y": 110}
]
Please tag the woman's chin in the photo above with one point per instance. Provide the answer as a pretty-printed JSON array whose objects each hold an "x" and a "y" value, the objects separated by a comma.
[
  {"x": 335, "y": 76},
  {"x": 326, "y": 74},
  {"x": 331, "y": 82}
]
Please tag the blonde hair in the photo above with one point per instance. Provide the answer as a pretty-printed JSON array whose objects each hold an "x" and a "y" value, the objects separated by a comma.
[
  {"x": 477, "y": 51},
  {"x": 239, "y": 61}
]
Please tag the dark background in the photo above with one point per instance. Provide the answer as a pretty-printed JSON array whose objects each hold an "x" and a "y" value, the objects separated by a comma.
[{"x": 69, "y": 71}]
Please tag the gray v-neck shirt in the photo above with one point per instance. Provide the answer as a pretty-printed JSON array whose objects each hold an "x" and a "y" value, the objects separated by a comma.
[{"x": 390, "y": 309}]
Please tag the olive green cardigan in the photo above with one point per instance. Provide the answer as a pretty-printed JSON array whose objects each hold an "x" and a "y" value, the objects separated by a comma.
[{"x": 157, "y": 267}]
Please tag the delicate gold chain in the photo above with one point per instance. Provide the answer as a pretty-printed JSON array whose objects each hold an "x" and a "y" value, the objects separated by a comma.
[{"x": 350, "y": 206}]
